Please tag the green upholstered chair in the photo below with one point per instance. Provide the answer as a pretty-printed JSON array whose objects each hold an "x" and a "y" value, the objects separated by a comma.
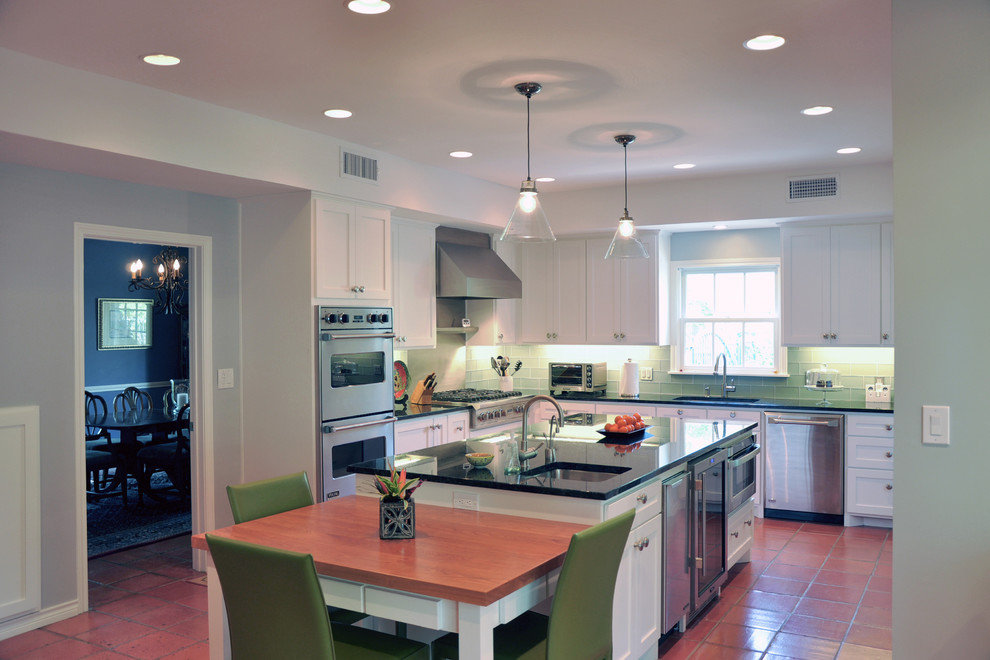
[
  {"x": 267, "y": 497},
  {"x": 275, "y": 609},
  {"x": 580, "y": 623}
]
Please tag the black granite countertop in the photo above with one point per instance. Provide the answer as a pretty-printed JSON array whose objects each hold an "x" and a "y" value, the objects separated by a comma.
[
  {"x": 410, "y": 410},
  {"x": 663, "y": 446},
  {"x": 733, "y": 402}
]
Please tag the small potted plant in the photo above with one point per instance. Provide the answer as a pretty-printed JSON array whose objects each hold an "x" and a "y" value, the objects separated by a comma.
[{"x": 396, "y": 510}]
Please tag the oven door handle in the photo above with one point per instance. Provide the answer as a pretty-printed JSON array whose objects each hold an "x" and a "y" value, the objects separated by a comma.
[
  {"x": 800, "y": 421},
  {"x": 360, "y": 425},
  {"x": 747, "y": 456},
  {"x": 374, "y": 335}
]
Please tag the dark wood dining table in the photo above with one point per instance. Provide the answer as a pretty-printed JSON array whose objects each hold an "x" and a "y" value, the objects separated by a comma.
[
  {"x": 465, "y": 571},
  {"x": 132, "y": 423}
]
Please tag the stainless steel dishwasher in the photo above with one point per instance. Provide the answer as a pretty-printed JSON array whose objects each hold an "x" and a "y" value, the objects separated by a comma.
[{"x": 803, "y": 460}]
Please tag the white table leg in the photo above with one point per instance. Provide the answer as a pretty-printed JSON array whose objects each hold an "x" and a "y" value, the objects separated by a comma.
[
  {"x": 475, "y": 624},
  {"x": 216, "y": 615}
]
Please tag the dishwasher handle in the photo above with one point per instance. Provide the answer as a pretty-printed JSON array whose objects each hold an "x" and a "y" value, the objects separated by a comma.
[{"x": 802, "y": 422}]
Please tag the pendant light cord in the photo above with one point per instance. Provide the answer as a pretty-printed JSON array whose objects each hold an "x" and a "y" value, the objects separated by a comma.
[
  {"x": 528, "y": 97},
  {"x": 625, "y": 168}
]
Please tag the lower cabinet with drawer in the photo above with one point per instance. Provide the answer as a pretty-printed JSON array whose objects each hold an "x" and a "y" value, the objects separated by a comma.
[
  {"x": 739, "y": 540},
  {"x": 869, "y": 470}
]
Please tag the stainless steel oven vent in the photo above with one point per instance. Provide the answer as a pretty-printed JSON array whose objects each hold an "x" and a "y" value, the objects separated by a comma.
[
  {"x": 814, "y": 187},
  {"x": 357, "y": 166}
]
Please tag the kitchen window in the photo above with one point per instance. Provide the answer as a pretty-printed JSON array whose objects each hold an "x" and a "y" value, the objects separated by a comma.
[{"x": 730, "y": 308}]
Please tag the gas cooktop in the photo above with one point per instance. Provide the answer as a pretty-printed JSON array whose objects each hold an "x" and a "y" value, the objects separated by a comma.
[
  {"x": 474, "y": 396},
  {"x": 488, "y": 408}
]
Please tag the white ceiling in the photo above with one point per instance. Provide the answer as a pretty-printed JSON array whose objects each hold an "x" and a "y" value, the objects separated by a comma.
[{"x": 432, "y": 76}]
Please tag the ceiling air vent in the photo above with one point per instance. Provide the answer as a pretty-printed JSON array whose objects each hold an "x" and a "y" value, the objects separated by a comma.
[
  {"x": 356, "y": 166},
  {"x": 812, "y": 187}
]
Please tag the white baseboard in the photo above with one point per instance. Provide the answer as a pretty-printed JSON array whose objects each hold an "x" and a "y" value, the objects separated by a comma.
[{"x": 39, "y": 619}]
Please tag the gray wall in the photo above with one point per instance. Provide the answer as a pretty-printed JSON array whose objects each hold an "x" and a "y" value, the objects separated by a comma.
[
  {"x": 941, "y": 198},
  {"x": 37, "y": 211},
  {"x": 725, "y": 244}
]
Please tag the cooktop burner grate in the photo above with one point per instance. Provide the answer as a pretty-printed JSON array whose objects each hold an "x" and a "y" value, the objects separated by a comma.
[{"x": 474, "y": 396}]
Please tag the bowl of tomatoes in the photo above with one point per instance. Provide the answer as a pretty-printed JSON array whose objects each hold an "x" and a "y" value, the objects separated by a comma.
[{"x": 624, "y": 426}]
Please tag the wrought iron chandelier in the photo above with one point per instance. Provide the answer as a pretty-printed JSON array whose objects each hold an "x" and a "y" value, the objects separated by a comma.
[{"x": 169, "y": 285}]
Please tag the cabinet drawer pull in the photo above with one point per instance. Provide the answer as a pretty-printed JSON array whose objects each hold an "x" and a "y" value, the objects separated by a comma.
[
  {"x": 641, "y": 545},
  {"x": 889, "y": 487},
  {"x": 680, "y": 412},
  {"x": 889, "y": 454},
  {"x": 732, "y": 415},
  {"x": 641, "y": 499}
]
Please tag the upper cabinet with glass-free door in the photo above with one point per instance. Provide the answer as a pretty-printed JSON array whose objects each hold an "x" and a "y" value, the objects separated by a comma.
[
  {"x": 831, "y": 285},
  {"x": 352, "y": 252}
]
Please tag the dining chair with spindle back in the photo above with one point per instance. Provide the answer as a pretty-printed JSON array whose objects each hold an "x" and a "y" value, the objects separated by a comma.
[
  {"x": 172, "y": 458},
  {"x": 132, "y": 399},
  {"x": 105, "y": 467}
]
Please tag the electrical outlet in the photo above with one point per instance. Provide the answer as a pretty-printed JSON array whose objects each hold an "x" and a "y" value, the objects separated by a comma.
[
  {"x": 646, "y": 373},
  {"x": 465, "y": 501},
  {"x": 225, "y": 379}
]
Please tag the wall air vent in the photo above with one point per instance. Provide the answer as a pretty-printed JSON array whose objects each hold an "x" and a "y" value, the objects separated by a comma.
[
  {"x": 356, "y": 166},
  {"x": 812, "y": 187}
]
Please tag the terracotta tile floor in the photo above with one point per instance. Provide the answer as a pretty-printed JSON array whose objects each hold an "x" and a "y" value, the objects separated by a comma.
[
  {"x": 811, "y": 591},
  {"x": 145, "y": 603}
]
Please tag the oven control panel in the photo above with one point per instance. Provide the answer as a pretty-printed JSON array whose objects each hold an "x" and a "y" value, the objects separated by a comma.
[{"x": 355, "y": 318}]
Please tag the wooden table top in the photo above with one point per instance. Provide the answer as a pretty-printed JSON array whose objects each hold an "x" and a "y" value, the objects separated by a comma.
[{"x": 467, "y": 556}]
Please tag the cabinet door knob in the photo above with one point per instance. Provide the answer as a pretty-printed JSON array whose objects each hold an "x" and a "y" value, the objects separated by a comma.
[
  {"x": 555, "y": 335},
  {"x": 640, "y": 545},
  {"x": 622, "y": 335},
  {"x": 615, "y": 335},
  {"x": 886, "y": 336},
  {"x": 889, "y": 487},
  {"x": 832, "y": 335},
  {"x": 824, "y": 335},
  {"x": 889, "y": 454},
  {"x": 889, "y": 427},
  {"x": 500, "y": 336},
  {"x": 732, "y": 415},
  {"x": 548, "y": 335},
  {"x": 680, "y": 412},
  {"x": 641, "y": 499},
  {"x": 749, "y": 522},
  {"x": 735, "y": 534}
]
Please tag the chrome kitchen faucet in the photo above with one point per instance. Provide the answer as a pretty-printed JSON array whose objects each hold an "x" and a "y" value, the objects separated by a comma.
[{"x": 725, "y": 367}]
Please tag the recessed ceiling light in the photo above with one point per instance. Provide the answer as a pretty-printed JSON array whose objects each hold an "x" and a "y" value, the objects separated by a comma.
[
  {"x": 545, "y": 179},
  {"x": 817, "y": 110},
  {"x": 161, "y": 59},
  {"x": 764, "y": 42},
  {"x": 338, "y": 113},
  {"x": 848, "y": 150},
  {"x": 368, "y": 6},
  {"x": 720, "y": 227},
  {"x": 683, "y": 166},
  {"x": 461, "y": 154}
]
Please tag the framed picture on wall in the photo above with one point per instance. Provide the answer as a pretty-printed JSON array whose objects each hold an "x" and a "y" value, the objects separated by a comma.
[{"x": 123, "y": 323}]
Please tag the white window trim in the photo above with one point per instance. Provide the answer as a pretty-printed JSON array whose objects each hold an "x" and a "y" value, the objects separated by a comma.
[{"x": 676, "y": 267}]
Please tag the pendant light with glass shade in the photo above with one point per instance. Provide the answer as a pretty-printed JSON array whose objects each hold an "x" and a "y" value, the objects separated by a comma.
[
  {"x": 528, "y": 222},
  {"x": 626, "y": 244}
]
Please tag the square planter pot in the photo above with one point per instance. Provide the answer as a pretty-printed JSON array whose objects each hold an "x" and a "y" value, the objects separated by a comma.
[{"x": 396, "y": 521}]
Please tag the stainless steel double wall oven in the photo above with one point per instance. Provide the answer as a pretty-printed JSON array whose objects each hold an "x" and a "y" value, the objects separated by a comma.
[{"x": 357, "y": 416}]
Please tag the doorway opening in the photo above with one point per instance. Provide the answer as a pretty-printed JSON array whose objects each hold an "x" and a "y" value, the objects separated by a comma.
[{"x": 133, "y": 340}]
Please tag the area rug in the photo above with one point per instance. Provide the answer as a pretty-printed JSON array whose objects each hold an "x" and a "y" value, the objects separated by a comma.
[{"x": 112, "y": 527}]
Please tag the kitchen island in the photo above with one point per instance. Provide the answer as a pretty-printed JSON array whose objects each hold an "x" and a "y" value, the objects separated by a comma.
[{"x": 598, "y": 478}]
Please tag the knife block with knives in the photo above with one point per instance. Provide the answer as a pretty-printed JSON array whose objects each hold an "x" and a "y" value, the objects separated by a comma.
[{"x": 423, "y": 392}]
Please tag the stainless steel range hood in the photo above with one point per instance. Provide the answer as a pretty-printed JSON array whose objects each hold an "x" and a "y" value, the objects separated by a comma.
[{"x": 468, "y": 268}]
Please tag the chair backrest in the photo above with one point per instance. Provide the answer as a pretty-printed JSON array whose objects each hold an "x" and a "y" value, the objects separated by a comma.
[
  {"x": 96, "y": 410},
  {"x": 171, "y": 397},
  {"x": 275, "y": 608},
  {"x": 267, "y": 497},
  {"x": 581, "y": 614},
  {"x": 132, "y": 399}
]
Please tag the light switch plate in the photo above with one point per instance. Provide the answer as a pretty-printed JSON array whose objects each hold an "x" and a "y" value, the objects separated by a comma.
[
  {"x": 646, "y": 373},
  {"x": 225, "y": 379},
  {"x": 934, "y": 425}
]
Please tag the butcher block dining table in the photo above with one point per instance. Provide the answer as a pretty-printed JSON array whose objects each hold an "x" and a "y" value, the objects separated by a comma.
[{"x": 465, "y": 571}]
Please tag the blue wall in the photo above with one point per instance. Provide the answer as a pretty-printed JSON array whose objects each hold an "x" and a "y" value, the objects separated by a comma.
[{"x": 106, "y": 275}]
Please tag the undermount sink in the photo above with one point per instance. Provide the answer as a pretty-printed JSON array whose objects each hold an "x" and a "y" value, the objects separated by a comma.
[
  {"x": 716, "y": 400},
  {"x": 576, "y": 471}
]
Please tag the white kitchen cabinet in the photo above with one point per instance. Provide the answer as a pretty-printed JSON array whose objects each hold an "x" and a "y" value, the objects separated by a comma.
[
  {"x": 869, "y": 469},
  {"x": 636, "y": 614},
  {"x": 554, "y": 302},
  {"x": 611, "y": 408},
  {"x": 831, "y": 285},
  {"x": 421, "y": 432},
  {"x": 739, "y": 539},
  {"x": 682, "y": 412},
  {"x": 624, "y": 295},
  {"x": 352, "y": 252},
  {"x": 414, "y": 289},
  {"x": 887, "y": 284}
]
